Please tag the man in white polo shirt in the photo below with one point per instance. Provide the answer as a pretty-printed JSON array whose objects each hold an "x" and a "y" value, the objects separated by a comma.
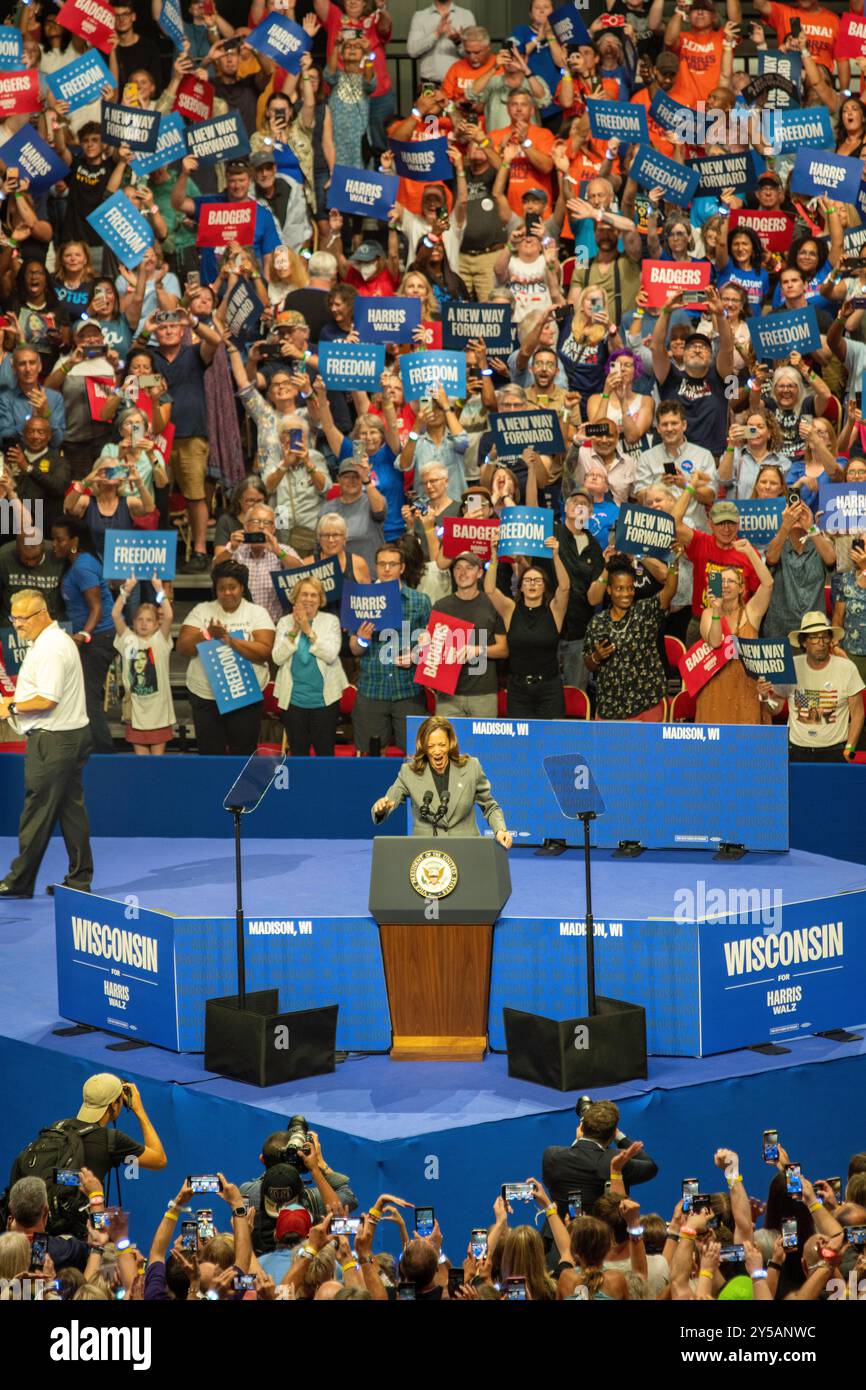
[{"x": 49, "y": 710}]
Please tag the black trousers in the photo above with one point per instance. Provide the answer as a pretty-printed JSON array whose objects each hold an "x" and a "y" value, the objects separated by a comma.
[
  {"x": 96, "y": 657},
  {"x": 834, "y": 754},
  {"x": 53, "y": 764},
  {"x": 538, "y": 700},
  {"x": 311, "y": 726},
  {"x": 215, "y": 734}
]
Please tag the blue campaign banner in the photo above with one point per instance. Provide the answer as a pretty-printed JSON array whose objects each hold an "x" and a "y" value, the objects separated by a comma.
[
  {"x": 11, "y": 49},
  {"x": 170, "y": 146},
  {"x": 795, "y": 128},
  {"x": 389, "y": 319},
  {"x": 820, "y": 173},
  {"x": 842, "y": 507},
  {"x": 793, "y": 330},
  {"x": 649, "y": 169},
  {"x": 280, "y": 39},
  {"x": 378, "y": 604},
  {"x": 140, "y": 555},
  {"x": 362, "y": 191},
  {"x": 123, "y": 229},
  {"x": 130, "y": 125},
  {"x": 30, "y": 153},
  {"x": 116, "y": 967},
  {"x": 642, "y": 531},
  {"x": 767, "y": 659},
  {"x": 232, "y": 678},
  {"x": 13, "y": 647},
  {"x": 573, "y": 785},
  {"x": 422, "y": 372},
  {"x": 171, "y": 22},
  {"x": 80, "y": 81},
  {"x": 523, "y": 531},
  {"x": 243, "y": 310},
  {"x": 718, "y": 172},
  {"x": 568, "y": 26},
  {"x": 672, "y": 115},
  {"x": 778, "y": 972},
  {"x": 424, "y": 161},
  {"x": 221, "y": 138},
  {"x": 760, "y": 518},
  {"x": 630, "y": 762},
  {"x": 517, "y": 430},
  {"x": 618, "y": 120},
  {"x": 328, "y": 573},
  {"x": 787, "y": 65},
  {"x": 351, "y": 366},
  {"x": 465, "y": 320}
]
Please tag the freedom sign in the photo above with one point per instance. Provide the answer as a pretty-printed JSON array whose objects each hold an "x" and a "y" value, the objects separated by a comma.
[
  {"x": 794, "y": 128},
  {"x": 123, "y": 229},
  {"x": 280, "y": 39},
  {"x": 423, "y": 161},
  {"x": 363, "y": 192},
  {"x": 89, "y": 19},
  {"x": 243, "y": 310},
  {"x": 378, "y": 604},
  {"x": 422, "y": 372},
  {"x": 643, "y": 531},
  {"x": 351, "y": 366},
  {"x": 80, "y": 81},
  {"x": 775, "y": 229},
  {"x": 618, "y": 120},
  {"x": 19, "y": 91},
  {"x": 794, "y": 330},
  {"x": 442, "y": 652},
  {"x": 328, "y": 573},
  {"x": 671, "y": 115},
  {"x": 649, "y": 169},
  {"x": 170, "y": 146},
  {"x": 11, "y": 49},
  {"x": 822, "y": 174},
  {"x": 194, "y": 98},
  {"x": 130, "y": 125},
  {"x": 28, "y": 152},
  {"x": 461, "y": 533},
  {"x": 767, "y": 659},
  {"x": 568, "y": 26},
  {"x": 465, "y": 321},
  {"x": 523, "y": 531},
  {"x": 661, "y": 278},
  {"x": 231, "y": 677},
  {"x": 841, "y": 507},
  {"x": 171, "y": 22},
  {"x": 701, "y": 662},
  {"x": 386, "y": 319},
  {"x": 760, "y": 518},
  {"x": 140, "y": 554},
  {"x": 851, "y": 39},
  {"x": 718, "y": 172},
  {"x": 220, "y": 224},
  {"x": 224, "y": 137},
  {"x": 517, "y": 430}
]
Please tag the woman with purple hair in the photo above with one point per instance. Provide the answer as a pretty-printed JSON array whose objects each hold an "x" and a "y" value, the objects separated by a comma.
[{"x": 619, "y": 401}]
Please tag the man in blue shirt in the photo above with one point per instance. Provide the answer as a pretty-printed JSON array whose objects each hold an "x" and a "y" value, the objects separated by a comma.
[
  {"x": 266, "y": 237},
  {"x": 28, "y": 398}
]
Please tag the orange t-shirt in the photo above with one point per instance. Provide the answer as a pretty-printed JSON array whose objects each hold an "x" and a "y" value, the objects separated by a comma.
[
  {"x": 580, "y": 87},
  {"x": 700, "y": 57},
  {"x": 522, "y": 174},
  {"x": 411, "y": 191},
  {"x": 461, "y": 74},
  {"x": 658, "y": 139},
  {"x": 820, "y": 29}
]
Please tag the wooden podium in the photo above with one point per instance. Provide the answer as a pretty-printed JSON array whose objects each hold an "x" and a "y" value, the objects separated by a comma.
[{"x": 437, "y": 944}]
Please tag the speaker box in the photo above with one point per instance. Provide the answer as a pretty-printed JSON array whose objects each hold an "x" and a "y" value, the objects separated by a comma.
[
  {"x": 575, "y": 1053},
  {"x": 263, "y": 1047}
]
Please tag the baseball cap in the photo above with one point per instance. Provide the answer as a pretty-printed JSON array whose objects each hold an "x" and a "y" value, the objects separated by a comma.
[
  {"x": 367, "y": 252},
  {"x": 704, "y": 5},
  {"x": 347, "y": 466},
  {"x": 724, "y": 511},
  {"x": 281, "y": 1185},
  {"x": 535, "y": 193},
  {"x": 290, "y": 318},
  {"x": 87, "y": 323},
  {"x": 294, "y": 1222},
  {"x": 98, "y": 1093},
  {"x": 262, "y": 157},
  {"x": 237, "y": 166},
  {"x": 667, "y": 62},
  {"x": 769, "y": 177},
  {"x": 699, "y": 338},
  {"x": 580, "y": 492},
  {"x": 471, "y": 557}
]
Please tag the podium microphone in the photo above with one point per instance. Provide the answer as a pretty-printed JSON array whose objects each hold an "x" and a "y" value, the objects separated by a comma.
[{"x": 424, "y": 810}]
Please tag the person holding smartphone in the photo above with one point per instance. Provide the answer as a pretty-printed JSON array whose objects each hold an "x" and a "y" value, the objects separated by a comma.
[
  {"x": 752, "y": 446},
  {"x": 731, "y": 697}
]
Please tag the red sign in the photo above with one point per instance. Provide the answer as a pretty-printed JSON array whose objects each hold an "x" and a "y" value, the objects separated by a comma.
[
  {"x": 99, "y": 390},
  {"x": 851, "y": 39},
  {"x": 19, "y": 91},
  {"x": 443, "y": 652},
  {"x": 89, "y": 19},
  {"x": 661, "y": 278},
  {"x": 461, "y": 533},
  {"x": 164, "y": 444},
  {"x": 776, "y": 229},
  {"x": 222, "y": 224},
  {"x": 701, "y": 662},
  {"x": 194, "y": 99}
]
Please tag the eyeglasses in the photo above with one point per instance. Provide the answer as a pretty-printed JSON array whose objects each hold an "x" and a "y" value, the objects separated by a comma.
[{"x": 26, "y": 617}]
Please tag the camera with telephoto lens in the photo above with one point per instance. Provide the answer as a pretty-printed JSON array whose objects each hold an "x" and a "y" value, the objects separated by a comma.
[
  {"x": 127, "y": 1095},
  {"x": 298, "y": 1131},
  {"x": 582, "y": 1105}
]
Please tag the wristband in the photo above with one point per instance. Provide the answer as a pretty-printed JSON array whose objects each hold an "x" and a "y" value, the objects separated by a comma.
[
  {"x": 170, "y": 1216},
  {"x": 417, "y": 114},
  {"x": 774, "y": 1264},
  {"x": 730, "y": 449},
  {"x": 688, "y": 1232},
  {"x": 349, "y": 1265},
  {"x": 691, "y": 490},
  {"x": 375, "y": 1213},
  {"x": 160, "y": 599},
  {"x": 485, "y": 142},
  {"x": 305, "y": 1253},
  {"x": 849, "y": 748},
  {"x": 759, "y": 1274},
  {"x": 635, "y": 1232},
  {"x": 551, "y": 1210},
  {"x": 715, "y": 618},
  {"x": 817, "y": 1205},
  {"x": 92, "y": 1196},
  {"x": 705, "y": 1274},
  {"x": 85, "y": 635},
  {"x": 672, "y": 1235},
  {"x": 735, "y": 1179},
  {"x": 605, "y": 396}
]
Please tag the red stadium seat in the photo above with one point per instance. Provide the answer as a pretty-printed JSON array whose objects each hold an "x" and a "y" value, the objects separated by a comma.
[
  {"x": 568, "y": 268},
  {"x": 680, "y": 708},
  {"x": 576, "y": 702},
  {"x": 502, "y": 702},
  {"x": 674, "y": 651}
]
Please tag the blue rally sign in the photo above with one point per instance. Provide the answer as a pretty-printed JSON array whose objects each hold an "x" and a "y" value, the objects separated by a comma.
[{"x": 140, "y": 554}]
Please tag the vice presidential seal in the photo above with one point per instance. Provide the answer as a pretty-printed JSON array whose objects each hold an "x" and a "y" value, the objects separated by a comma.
[{"x": 433, "y": 874}]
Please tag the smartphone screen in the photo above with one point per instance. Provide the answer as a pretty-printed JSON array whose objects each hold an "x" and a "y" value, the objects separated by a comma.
[
  {"x": 714, "y": 583},
  {"x": 456, "y": 1279},
  {"x": 478, "y": 1243},
  {"x": 66, "y": 1177},
  {"x": 770, "y": 1145},
  {"x": 691, "y": 1187},
  {"x": 732, "y": 1254},
  {"x": 204, "y": 1182},
  {"x": 516, "y": 1192},
  {"x": 789, "y": 1235},
  {"x": 38, "y": 1251},
  {"x": 189, "y": 1235},
  {"x": 575, "y": 1204},
  {"x": 425, "y": 1219},
  {"x": 296, "y": 441},
  {"x": 794, "y": 1180},
  {"x": 405, "y": 1293},
  {"x": 514, "y": 1289}
]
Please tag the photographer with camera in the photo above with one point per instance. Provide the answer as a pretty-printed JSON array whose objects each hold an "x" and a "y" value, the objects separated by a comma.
[
  {"x": 587, "y": 1166},
  {"x": 286, "y": 1155}
]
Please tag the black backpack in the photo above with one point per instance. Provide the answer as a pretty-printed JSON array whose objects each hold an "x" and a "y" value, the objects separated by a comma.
[{"x": 59, "y": 1146}]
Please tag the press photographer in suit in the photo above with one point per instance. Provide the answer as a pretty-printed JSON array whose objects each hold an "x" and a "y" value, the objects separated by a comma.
[
  {"x": 444, "y": 786},
  {"x": 587, "y": 1165}
]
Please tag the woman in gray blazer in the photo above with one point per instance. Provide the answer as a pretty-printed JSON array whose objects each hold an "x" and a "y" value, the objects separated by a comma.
[{"x": 443, "y": 785}]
